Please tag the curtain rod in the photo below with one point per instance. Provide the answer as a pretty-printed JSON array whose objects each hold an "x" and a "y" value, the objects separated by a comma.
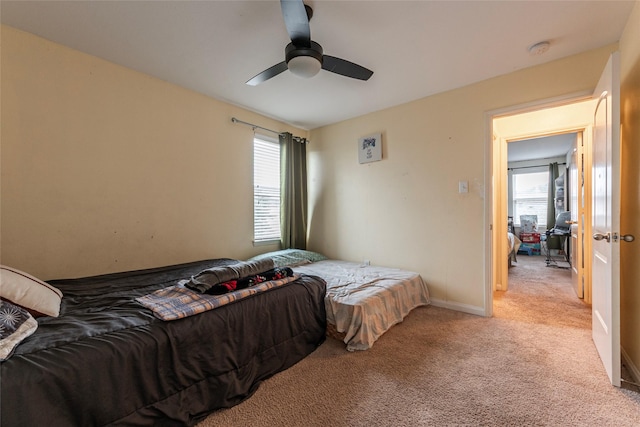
[
  {"x": 234, "y": 120},
  {"x": 295, "y": 138},
  {"x": 527, "y": 167}
]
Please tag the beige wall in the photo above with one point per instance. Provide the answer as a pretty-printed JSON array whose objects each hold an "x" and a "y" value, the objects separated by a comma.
[
  {"x": 630, "y": 159},
  {"x": 106, "y": 169},
  {"x": 405, "y": 210}
]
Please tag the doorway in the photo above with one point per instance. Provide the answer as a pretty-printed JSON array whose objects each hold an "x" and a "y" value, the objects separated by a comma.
[
  {"x": 602, "y": 189},
  {"x": 518, "y": 125}
]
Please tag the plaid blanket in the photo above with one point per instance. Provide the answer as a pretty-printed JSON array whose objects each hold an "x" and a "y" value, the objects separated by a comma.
[{"x": 178, "y": 301}]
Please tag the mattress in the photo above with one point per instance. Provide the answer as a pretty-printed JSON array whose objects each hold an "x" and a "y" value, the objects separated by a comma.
[
  {"x": 363, "y": 302},
  {"x": 513, "y": 243}
]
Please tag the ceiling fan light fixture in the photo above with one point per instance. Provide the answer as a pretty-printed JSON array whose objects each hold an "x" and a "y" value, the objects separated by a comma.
[
  {"x": 304, "y": 66},
  {"x": 304, "y": 61}
]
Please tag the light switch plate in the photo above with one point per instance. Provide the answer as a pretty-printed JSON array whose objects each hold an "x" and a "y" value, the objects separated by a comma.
[{"x": 463, "y": 187}]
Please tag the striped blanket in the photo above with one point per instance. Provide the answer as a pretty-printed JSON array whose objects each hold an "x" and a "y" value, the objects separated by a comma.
[{"x": 178, "y": 301}]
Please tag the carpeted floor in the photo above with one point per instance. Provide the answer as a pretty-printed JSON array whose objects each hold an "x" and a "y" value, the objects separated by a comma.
[{"x": 532, "y": 364}]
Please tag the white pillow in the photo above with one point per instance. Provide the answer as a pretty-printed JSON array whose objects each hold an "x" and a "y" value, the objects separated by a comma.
[{"x": 22, "y": 289}]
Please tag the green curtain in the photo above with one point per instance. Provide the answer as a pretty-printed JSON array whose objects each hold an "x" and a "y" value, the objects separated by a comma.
[
  {"x": 293, "y": 192},
  {"x": 553, "y": 242}
]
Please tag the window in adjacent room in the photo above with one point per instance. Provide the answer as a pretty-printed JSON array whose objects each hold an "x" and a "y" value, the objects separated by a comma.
[
  {"x": 530, "y": 196},
  {"x": 266, "y": 190}
]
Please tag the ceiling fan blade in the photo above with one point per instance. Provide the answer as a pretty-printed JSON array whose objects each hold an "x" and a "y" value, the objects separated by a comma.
[
  {"x": 297, "y": 22},
  {"x": 345, "y": 68},
  {"x": 268, "y": 73}
]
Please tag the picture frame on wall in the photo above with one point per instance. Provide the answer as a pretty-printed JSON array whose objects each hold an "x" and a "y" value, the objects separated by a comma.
[{"x": 370, "y": 148}]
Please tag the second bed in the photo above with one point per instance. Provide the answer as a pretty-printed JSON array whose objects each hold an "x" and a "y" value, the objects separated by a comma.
[{"x": 362, "y": 301}]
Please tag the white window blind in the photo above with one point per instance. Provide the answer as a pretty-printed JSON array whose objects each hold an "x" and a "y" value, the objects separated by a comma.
[
  {"x": 266, "y": 190},
  {"x": 530, "y": 196}
]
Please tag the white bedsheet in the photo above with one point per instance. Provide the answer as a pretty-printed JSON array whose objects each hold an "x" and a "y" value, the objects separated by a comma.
[
  {"x": 514, "y": 244},
  {"x": 363, "y": 302}
]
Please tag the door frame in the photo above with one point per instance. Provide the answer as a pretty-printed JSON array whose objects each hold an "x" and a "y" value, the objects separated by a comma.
[
  {"x": 496, "y": 268},
  {"x": 576, "y": 175}
]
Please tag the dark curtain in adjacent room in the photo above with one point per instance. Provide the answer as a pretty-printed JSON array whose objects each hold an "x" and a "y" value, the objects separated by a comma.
[{"x": 553, "y": 242}]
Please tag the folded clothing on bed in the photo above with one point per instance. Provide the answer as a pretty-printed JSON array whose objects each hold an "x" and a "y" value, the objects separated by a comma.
[
  {"x": 245, "y": 282},
  {"x": 207, "y": 279},
  {"x": 177, "y": 302}
]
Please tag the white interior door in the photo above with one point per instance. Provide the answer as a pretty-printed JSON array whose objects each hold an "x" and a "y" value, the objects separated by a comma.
[{"x": 606, "y": 220}]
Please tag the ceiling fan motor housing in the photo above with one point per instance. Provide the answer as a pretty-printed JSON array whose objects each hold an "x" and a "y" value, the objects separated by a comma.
[{"x": 292, "y": 51}]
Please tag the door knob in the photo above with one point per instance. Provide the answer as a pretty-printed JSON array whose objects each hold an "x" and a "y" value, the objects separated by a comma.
[
  {"x": 600, "y": 236},
  {"x": 628, "y": 237}
]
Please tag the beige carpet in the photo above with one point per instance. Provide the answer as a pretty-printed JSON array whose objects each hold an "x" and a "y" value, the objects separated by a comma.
[{"x": 532, "y": 364}]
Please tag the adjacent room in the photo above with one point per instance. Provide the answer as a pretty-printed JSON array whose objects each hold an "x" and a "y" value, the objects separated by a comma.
[
  {"x": 538, "y": 192},
  {"x": 293, "y": 213}
]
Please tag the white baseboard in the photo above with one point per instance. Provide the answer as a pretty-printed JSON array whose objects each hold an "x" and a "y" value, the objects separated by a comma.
[
  {"x": 633, "y": 369},
  {"x": 465, "y": 308}
]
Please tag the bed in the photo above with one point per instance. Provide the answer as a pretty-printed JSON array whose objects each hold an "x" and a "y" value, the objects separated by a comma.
[
  {"x": 513, "y": 243},
  {"x": 362, "y": 301},
  {"x": 108, "y": 360}
]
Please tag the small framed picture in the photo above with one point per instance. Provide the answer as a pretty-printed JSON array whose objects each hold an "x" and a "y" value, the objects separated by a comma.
[{"x": 370, "y": 148}]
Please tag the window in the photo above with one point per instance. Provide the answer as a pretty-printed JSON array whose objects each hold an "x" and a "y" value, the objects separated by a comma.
[
  {"x": 266, "y": 190},
  {"x": 530, "y": 196}
]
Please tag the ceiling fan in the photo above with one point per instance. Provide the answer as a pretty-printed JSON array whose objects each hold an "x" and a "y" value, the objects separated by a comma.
[{"x": 304, "y": 57}]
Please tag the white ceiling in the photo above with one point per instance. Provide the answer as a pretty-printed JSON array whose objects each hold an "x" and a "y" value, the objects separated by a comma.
[
  {"x": 540, "y": 148},
  {"x": 415, "y": 48}
]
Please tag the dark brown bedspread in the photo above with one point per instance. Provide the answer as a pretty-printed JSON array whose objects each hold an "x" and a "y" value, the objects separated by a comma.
[{"x": 108, "y": 361}]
